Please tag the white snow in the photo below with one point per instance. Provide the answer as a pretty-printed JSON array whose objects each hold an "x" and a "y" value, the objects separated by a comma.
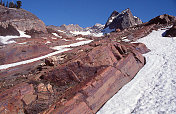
[
  {"x": 135, "y": 17},
  {"x": 80, "y": 32},
  {"x": 61, "y": 31},
  {"x": 9, "y": 39},
  {"x": 86, "y": 33},
  {"x": 23, "y": 43},
  {"x": 126, "y": 40},
  {"x": 111, "y": 20},
  {"x": 65, "y": 40},
  {"x": 59, "y": 49},
  {"x": 80, "y": 38},
  {"x": 57, "y": 35},
  {"x": 72, "y": 45},
  {"x": 47, "y": 42},
  {"x": 153, "y": 90},
  {"x": 54, "y": 38}
]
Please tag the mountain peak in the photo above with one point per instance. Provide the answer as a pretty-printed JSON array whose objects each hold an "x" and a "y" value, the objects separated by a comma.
[{"x": 122, "y": 20}]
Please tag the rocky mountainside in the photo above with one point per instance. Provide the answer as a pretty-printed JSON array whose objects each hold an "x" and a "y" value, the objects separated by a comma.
[
  {"x": 20, "y": 19},
  {"x": 57, "y": 73},
  {"x": 122, "y": 20}
]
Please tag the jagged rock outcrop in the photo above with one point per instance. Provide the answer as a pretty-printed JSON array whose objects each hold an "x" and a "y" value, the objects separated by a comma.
[
  {"x": 171, "y": 32},
  {"x": 122, "y": 20},
  {"x": 20, "y": 19}
]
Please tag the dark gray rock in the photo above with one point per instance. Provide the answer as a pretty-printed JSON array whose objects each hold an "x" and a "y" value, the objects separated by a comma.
[
  {"x": 122, "y": 20},
  {"x": 10, "y": 30}
]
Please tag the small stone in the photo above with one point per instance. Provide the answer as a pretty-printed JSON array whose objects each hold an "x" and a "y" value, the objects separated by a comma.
[
  {"x": 42, "y": 88},
  {"x": 29, "y": 98}
]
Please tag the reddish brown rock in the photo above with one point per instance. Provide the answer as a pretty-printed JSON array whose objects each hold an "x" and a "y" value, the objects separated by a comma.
[
  {"x": 141, "y": 47},
  {"x": 74, "y": 106},
  {"x": 16, "y": 53},
  {"x": 11, "y": 99}
]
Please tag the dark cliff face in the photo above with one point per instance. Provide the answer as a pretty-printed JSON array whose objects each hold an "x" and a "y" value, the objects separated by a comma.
[
  {"x": 20, "y": 19},
  {"x": 122, "y": 20}
]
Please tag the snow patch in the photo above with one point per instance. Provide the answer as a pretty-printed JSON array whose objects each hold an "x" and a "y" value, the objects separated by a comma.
[
  {"x": 23, "y": 43},
  {"x": 61, "y": 31},
  {"x": 80, "y": 38},
  {"x": 55, "y": 34},
  {"x": 72, "y": 45},
  {"x": 47, "y": 42},
  {"x": 86, "y": 33},
  {"x": 9, "y": 39}
]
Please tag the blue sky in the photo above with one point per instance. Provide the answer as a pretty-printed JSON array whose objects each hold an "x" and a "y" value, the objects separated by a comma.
[{"x": 88, "y": 12}]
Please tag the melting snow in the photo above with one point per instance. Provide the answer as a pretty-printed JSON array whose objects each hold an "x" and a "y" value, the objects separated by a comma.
[{"x": 153, "y": 90}]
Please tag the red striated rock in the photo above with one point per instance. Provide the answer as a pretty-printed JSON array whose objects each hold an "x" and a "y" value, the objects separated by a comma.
[
  {"x": 103, "y": 87},
  {"x": 11, "y": 99},
  {"x": 74, "y": 106}
]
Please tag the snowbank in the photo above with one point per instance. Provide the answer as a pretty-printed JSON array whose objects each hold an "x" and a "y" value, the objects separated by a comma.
[{"x": 153, "y": 90}]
